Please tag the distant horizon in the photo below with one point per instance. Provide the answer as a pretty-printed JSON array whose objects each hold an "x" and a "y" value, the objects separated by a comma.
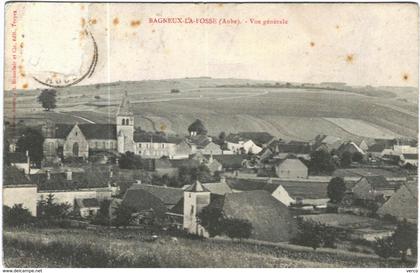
[{"x": 217, "y": 78}]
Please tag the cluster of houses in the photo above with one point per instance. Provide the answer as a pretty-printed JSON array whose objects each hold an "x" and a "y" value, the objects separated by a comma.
[{"x": 377, "y": 189}]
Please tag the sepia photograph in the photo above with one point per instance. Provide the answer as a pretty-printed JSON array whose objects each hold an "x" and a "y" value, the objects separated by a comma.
[{"x": 210, "y": 135}]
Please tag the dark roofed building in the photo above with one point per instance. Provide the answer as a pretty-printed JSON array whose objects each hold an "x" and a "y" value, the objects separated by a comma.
[
  {"x": 270, "y": 219},
  {"x": 159, "y": 198},
  {"x": 403, "y": 204},
  {"x": 372, "y": 187}
]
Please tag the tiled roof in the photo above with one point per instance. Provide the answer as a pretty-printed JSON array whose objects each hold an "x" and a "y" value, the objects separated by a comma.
[
  {"x": 218, "y": 188},
  {"x": 90, "y": 131},
  {"x": 14, "y": 176},
  {"x": 403, "y": 203},
  {"x": 150, "y": 137},
  {"x": 270, "y": 219},
  {"x": 411, "y": 156},
  {"x": 17, "y": 157},
  {"x": 380, "y": 183},
  {"x": 196, "y": 187},
  {"x": 168, "y": 195}
]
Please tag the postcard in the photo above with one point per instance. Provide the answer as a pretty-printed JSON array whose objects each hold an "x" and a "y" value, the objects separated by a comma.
[{"x": 210, "y": 135}]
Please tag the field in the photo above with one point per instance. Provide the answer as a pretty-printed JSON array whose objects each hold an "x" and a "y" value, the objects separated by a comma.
[
  {"x": 289, "y": 113},
  {"x": 128, "y": 248}
]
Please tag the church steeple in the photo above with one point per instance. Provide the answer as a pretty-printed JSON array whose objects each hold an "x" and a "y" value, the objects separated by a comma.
[
  {"x": 125, "y": 126},
  {"x": 125, "y": 107}
]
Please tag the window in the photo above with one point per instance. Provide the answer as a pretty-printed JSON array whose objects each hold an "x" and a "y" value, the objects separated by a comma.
[
  {"x": 123, "y": 121},
  {"x": 163, "y": 145}
]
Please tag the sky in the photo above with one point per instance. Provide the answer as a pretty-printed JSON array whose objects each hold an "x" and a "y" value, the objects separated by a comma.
[{"x": 360, "y": 44}]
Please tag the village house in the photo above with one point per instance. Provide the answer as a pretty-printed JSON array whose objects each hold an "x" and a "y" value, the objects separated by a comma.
[
  {"x": 241, "y": 145},
  {"x": 291, "y": 168},
  {"x": 86, "y": 207},
  {"x": 82, "y": 140},
  {"x": 270, "y": 219},
  {"x": 20, "y": 160},
  {"x": 349, "y": 147},
  {"x": 18, "y": 189},
  {"x": 367, "y": 195},
  {"x": 203, "y": 144},
  {"x": 143, "y": 199},
  {"x": 403, "y": 204},
  {"x": 327, "y": 143}
]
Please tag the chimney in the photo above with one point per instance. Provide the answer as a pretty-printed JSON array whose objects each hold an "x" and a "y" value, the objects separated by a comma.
[
  {"x": 48, "y": 172},
  {"x": 69, "y": 174}
]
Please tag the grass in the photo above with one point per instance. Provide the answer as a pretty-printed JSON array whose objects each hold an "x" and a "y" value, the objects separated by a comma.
[{"x": 128, "y": 248}]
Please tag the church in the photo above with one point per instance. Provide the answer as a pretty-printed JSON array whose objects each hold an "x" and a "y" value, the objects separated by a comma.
[{"x": 83, "y": 140}]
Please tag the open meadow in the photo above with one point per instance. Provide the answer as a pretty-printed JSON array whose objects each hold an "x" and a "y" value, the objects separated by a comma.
[
  {"x": 131, "y": 248},
  {"x": 289, "y": 113}
]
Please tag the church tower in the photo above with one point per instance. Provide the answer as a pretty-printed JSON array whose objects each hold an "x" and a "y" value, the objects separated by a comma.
[
  {"x": 125, "y": 126},
  {"x": 196, "y": 197}
]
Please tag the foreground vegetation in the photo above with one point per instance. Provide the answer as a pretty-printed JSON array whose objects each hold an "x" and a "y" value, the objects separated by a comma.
[{"x": 32, "y": 247}]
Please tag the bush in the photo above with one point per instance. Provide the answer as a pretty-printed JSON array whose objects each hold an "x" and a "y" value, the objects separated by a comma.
[
  {"x": 237, "y": 228},
  {"x": 315, "y": 235},
  {"x": 212, "y": 220},
  {"x": 16, "y": 216},
  {"x": 384, "y": 247},
  {"x": 51, "y": 211}
]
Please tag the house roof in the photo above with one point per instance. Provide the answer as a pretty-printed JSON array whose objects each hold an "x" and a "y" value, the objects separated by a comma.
[
  {"x": 411, "y": 156},
  {"x": 87, "y": 202},
  {"x": 231, "y": 161},
  {"x": 91, "y": 178},
  {"x": 403, "y": 203},
  {"x": 142, "y": 199},
  {"x": 168, "y": 195},
  {"x": 124, "y": 108},
  {"x": 379, "y": 182},
  {"x": 220, "y": 188},
  {"x": 150, "y": 137},
  {"x": 17, "y": 157},
  {"x": 200, "y": 141},
  {"x": 14, "y": 176},
  {"x": 196, "y": 187},
  {"x": 259, "y": 138},
  {"x": 359, "y": 172},
  {"x": 307, "y": 190},
  {"x": 377, "y": 148},
  {"x": 270, "y": 219},
  {"x": 349, "y": 147},
  {"x": 292, "y": 163}
]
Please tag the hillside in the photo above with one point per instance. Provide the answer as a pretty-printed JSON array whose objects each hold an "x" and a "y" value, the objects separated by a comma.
[
  {"x": 233, "y": 105},
  {"x": 130, "y": 248}
]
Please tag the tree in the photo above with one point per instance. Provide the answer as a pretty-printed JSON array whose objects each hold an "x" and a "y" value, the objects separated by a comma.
[
  {"x": 49, "y": 210},
  {"x": 102, "y": 217},
  {"x": 16, "y": 215},
  {"x": 47, "y": 98},
  {"x": 336, "y": 189},
  {"x": 197, "y": 127},
  {"x": 321, "y": 162},
  {"x": 123, "y": 216},
  {"x": 237, "y": 228},
  {"x": 32, "y": 141},
  {"x": 308, "y": 234},
  {"x": 222, "y": 137},
  {"x": 384, "y": 247},
  {"x": 130, "y": 161},
  {"x": 405, "y": 237},
  {"x": 212, "y": 220},
  {"x": 346, "y": 159}
]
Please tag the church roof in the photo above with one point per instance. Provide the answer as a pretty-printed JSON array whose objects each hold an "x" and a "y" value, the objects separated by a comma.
[
  {"x": 125, "y": 109},
  {"x": 90, "y": 131}
]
